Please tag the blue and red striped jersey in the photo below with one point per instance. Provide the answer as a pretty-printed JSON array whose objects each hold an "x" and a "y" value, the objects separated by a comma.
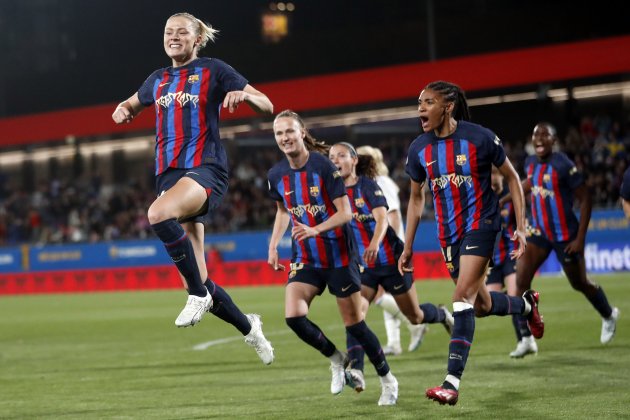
[
  {"x": 553, "y": 182},
  {"x": 364, "y": 197},
  {"x": 307, "y": 194},
  {"x": 458, "y": 168},
  {"x": 188, "y": 102},
  {"x": 505, "y": 244}
]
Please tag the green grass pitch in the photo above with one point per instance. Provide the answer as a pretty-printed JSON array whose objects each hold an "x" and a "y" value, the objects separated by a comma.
[{"x": 119, "y": 355}]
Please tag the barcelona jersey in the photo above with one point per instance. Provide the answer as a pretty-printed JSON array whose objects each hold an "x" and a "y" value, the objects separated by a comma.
[
  {"x": 365, "y": 196},
  {"x": 505, "y": 244},
  {"x": 308, "y": 194},
  {"x": 553, "y": 182},
  {"x": 188, "y": 101},
  {"x": 458, "y": 169}
]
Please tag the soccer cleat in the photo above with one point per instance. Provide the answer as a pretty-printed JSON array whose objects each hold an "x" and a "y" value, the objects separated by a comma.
[
  {"x": 338, "y": 371},
  {"x": 442, "y": 395},
  {"x": 193, "y": 311},
  {"x": 257, "y": 340},
  {"x": 534, "y": 318},
  {"x": 449, "y": 321},
  {"x": 355, "y": 379},
  {"x": 609, "y": 326},
  {"x": 417, "y": 334},
  {"x": 526, "y": 346},
  {"x": 392, "y": 349},
  {"x": 389, "y": 391}
]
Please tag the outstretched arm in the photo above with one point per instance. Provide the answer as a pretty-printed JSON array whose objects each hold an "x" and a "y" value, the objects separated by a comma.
[
  {"x": 257, "y": 100},
  {"x": 127, "y": 110}
]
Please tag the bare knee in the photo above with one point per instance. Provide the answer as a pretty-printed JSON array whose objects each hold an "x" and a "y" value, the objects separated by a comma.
[{"x": 156, "y": 214}]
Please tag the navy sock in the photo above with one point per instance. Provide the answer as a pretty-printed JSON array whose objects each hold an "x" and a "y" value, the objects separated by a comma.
[
  {"x": 224, "y": 308},
  {"x": 461, "y": 340},
  {"x": 311, "y": 334},
  {"x": 520, "y": 326},
  {"x": 503, "y": 304},
  {"x": 181, "y": 251},
  {"x": 355, "y": 352},
  {"x": 370, "y": 344},
  {"x": 432, "y": 314},
  {"x": 600, "y": 302}
]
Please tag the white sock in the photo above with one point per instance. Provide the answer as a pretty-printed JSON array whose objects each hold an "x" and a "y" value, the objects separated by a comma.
[
  {"x": 453, "y": 380},
  {"x": 461, "y": 306},
  {"x": 337, "y": 357},
  {"x": 388, "y": 378},
  {"x": 392, "y": 329}
]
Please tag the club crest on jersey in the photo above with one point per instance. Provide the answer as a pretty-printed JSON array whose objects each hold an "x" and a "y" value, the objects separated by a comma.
[
  {"x": 193, "y": 78},
  {"x": 546, "y": 178},
  {"x": 314, "y": 190},
  {"x": 461, "y": 160},
  {"x": 359, "y": 202}
]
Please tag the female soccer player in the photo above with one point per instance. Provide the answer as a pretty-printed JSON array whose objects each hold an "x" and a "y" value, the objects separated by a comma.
[
  {"x": 392, "y": 314},
  {"x": 456, "y": 156},
  {"x": 191, "y": 164},
  {"x": 310, "y": 194},
  {"x": 379, "y": 248},
  {"x": 552, "y": 182},
  {"x": 503, "y": 273}
]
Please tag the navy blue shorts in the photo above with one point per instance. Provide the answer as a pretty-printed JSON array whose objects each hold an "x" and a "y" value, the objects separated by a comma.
[
  {"x": 544, "y": 243},
  {"x": 341, "y": 282},
  {"x": 388, "y": 277},
  {"x": 498, "y": 273},
  {"x": 212, "y": 177},
  {"x": 475, "y": 242}
]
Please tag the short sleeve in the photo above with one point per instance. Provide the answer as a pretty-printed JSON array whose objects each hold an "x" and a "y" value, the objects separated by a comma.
[
  {"x": 390, "y": 190},
  {"x": 145, "y": 93},
  {"x": 374, "y": 196},
  {"x": 413, "y": 167},
  {"x": 497, "y": 153},
  {"x": 625, "y": 186},
  {"x": 333, "y": 181},
  {"x": 272, "y": 190},
  {"x": 570, "y": 171},
  {"x": 229, "y": 78}
]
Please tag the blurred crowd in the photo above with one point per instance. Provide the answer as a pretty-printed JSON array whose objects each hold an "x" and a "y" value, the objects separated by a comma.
[{"x": 85, "y": 210}]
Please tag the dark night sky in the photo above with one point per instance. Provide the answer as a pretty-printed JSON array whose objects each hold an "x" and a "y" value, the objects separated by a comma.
[{"x": 67, "y": 53}]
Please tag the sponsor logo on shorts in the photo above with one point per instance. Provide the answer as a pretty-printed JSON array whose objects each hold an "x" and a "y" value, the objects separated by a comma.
[
  {"x": 343, "y": 289},
  {"x": 471, "y": 247},
  {"x": 398, "y": 286}
]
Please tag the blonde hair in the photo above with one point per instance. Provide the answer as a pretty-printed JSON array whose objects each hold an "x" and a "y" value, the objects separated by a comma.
[
  {"x": 207, "y": 32},
  {"x": 381, "y": 168}
]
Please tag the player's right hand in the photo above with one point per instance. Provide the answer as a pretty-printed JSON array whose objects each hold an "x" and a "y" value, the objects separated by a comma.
[
  {"x": 272, "y": 260},
  {"x": 122, "y": 115},
  {"x": 405, "y": 262}
]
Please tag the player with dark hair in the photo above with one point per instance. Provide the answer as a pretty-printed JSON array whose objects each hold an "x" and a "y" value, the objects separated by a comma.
[
  {"x": 553, "y": 181},
  {"x": 191, "y": 164},
  {"x": 379, "y": 248},
  {"x": 310, "y": 194},
  {"x": 456, "y": 157}
]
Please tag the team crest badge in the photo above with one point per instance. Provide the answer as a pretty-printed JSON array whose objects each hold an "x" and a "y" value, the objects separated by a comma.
[
  {"x": 292, "y": 274},
  {"x": 461, "y": 160},
  {"x": 193, "y": 78},
  {"x": 546, "y": 178},
  {"x": 359, "y": 202},
  {"x": 314, "y": 191},
  {"x": 450, "y": 267}
]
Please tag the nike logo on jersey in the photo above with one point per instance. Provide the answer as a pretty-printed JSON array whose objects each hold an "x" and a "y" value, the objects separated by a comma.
[
  {"x": 164, "y": 84},
  {"x": 288, "y": 192},
  {"x": 431, "y": 163},
  {"x": 471, "y": 247},
  {"x": 343, "y": 289}
]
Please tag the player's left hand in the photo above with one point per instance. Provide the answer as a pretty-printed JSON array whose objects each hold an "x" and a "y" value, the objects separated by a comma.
[
  {"x": 519, "y": 236},
  {"x": 370, "y": 253},
  {"x": 301, "y": 231},
  {"x": 234, "y": 99}
]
